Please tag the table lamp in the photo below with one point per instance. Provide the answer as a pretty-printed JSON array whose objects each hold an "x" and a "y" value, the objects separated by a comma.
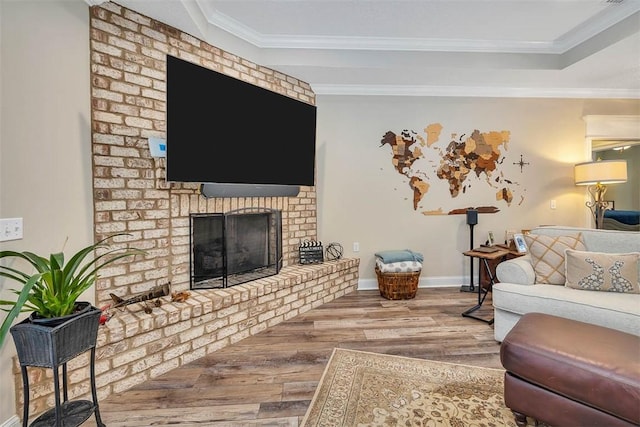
[{"x": 595, "y": 175}]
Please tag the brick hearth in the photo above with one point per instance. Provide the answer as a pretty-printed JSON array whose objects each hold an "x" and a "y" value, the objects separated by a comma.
[{"x": 134, "y": 346}]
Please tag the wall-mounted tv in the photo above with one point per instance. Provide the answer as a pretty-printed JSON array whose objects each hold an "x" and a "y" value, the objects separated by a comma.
[{"x": 224, "y": 130}]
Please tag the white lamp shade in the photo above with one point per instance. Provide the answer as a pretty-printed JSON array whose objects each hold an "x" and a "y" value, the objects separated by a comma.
[{"x": 602, "y": 171}]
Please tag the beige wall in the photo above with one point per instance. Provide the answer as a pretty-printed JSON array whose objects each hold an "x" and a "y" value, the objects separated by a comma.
[
  {"x": 45, "y": 161},
  {"x": 362, "y": 198}
]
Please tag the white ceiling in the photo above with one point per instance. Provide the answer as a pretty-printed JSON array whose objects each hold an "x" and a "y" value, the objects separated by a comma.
[{"x": 529, "y": 48}]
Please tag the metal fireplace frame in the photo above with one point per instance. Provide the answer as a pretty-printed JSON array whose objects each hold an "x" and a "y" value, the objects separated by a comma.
[{"x": 229, "y": 276}]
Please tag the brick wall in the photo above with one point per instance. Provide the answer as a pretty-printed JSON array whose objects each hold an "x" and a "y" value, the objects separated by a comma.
[{"x": 128, "y": 65}]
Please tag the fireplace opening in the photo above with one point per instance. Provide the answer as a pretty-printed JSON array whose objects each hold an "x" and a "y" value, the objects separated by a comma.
[{"x": 231, "y": 248}]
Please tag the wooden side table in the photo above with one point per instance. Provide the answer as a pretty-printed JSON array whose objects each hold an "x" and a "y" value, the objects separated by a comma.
[{"x": 498, "y": 254}]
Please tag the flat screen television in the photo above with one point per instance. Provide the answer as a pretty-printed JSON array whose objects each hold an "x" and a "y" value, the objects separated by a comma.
[{"x": 224, "y": 130}]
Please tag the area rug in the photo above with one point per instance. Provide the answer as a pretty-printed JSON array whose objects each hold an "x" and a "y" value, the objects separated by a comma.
[{"x": 368, "y": 389}]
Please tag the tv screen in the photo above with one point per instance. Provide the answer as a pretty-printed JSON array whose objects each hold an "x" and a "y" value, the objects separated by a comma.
[{"x": 224, "y": 130}]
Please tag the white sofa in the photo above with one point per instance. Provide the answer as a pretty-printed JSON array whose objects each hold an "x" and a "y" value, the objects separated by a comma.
[{"x": 517, "y": 293}]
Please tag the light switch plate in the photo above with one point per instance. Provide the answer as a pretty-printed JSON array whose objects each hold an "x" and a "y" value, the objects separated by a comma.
[{"x": 10, "y": 229}]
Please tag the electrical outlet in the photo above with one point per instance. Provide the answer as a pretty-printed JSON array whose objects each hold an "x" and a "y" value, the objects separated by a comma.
[
  {"x": 10, "y": 229},
  {"x": 356, "y": 246}
]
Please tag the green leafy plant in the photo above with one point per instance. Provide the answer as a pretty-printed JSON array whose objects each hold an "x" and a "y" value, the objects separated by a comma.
[{"x": 54, "y": 287}]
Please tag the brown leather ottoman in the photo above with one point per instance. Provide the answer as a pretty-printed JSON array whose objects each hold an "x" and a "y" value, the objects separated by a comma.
[{"x": 568, "y": 373}]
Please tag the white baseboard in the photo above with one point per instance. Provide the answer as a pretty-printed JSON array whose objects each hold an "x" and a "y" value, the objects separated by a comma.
[
  {"x": 14, "y": 421},
  {"x": 425, "y": 282}
]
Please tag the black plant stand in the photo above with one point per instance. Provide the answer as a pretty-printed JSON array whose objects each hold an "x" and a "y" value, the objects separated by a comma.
[{"x": 52, "y": 347}]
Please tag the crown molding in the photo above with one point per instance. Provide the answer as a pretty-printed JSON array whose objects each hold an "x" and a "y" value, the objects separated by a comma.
[
  {"x": 233, "y": 27},
  {"x": 609, "y": 17},
  {"x": 473, "y": 91},
  {"x": 614, "y": 23},
  {"x": 614, "y": 14}
]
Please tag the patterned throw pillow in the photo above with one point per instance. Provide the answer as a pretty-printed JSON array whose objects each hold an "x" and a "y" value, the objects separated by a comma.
[
  {"x": 547, "y": 255},
  {"x": 596, "y": 271}
]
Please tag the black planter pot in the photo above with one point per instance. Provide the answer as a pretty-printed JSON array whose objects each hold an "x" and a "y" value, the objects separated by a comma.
[{"x": 80, "y": 308}]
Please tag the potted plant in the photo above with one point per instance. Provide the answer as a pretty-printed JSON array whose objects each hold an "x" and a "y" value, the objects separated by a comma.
[
  {"x": 60, "y": 327},
  {"x": 51, "y": 290}
]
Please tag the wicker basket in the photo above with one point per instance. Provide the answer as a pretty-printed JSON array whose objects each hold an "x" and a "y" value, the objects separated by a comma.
[
  {"x": 398, "y": 285},
  {"x": 46, "y": 346}
]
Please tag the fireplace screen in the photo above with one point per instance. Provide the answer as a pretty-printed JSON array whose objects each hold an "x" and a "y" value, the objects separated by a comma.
[{"x": 235, "y": 247}]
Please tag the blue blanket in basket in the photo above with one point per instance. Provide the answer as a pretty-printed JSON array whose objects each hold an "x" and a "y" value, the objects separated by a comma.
[{"x": 399, "y": 255}]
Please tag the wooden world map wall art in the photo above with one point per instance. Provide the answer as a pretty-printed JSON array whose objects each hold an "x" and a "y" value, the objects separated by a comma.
[{"x": 458, "y": 163}]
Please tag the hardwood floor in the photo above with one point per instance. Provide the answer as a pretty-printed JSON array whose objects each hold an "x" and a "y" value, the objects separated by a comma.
[{"x": 269, "y": 379}]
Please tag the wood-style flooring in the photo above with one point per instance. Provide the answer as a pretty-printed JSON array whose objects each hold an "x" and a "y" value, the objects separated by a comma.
[{"x": 269, "y": 379}]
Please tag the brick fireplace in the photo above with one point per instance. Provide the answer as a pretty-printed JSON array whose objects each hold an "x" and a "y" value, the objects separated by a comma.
[{"x": 127, "y": 53}]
